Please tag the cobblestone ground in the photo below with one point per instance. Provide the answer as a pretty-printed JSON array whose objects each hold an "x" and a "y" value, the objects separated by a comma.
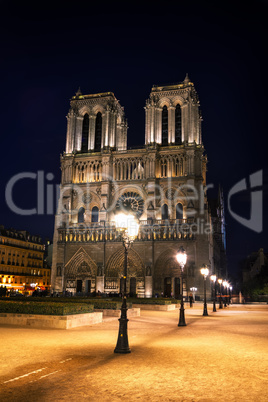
[{"x": 222, "y": 357}]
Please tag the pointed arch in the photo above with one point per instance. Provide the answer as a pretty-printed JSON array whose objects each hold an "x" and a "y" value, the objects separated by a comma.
[
  {"x": 84, "y": 109},
  {"x": 164, "y": 211},
  {"x": 167, "y": 265},
  {"x": 115, "y": 264},
  {"x": 179, "y": 211},
  {"x": 95, "y": 214},
  {"x": 81, "y": 264},
  {"x": 81, "y": 215},
  {"x": 164, "y": 101}
]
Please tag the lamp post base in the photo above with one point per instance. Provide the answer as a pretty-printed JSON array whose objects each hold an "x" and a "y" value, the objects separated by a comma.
[
  {"x": 122, "y": 340},
  {"x": 205, "y": 311},
  {"x": 182, "y": 322},
  {"x": 214, "y": 307}
]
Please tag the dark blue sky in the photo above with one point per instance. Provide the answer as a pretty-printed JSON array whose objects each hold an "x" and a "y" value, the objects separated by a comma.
[{"x": 47, "y": 52}]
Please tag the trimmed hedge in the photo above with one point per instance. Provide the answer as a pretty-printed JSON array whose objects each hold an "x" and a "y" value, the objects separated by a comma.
[
  {"x": 44, "y": 308},
  {"x": 155, "y": 301},
  {"x": 96, "y": 303}
]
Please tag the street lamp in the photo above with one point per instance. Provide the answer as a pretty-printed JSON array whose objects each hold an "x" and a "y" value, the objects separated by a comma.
[
  {"x": 220, "y": 301},
  {"x": 230, "y": 294},
  {"x": 213, "y": 278},
  {"x": 129, "y": 227},
  {"x": 193, "y": 289},
  {"x": 181, "y": 258},
  {"x": 204, "y": 271},
  {"x": 225, "y": 285}
]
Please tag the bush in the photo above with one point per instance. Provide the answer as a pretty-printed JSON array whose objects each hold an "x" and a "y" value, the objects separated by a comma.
[
  {"x": 96, "y": 303},
  {"x": 154, "y": 301},
  {"x": 110, "y": 305},
  {"x": 44, "y": 308}
]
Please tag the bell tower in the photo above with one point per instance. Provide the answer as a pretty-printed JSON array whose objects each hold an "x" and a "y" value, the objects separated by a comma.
[
  {"x": 95, "y": 122},
  {"x": 172, "y": 115}
]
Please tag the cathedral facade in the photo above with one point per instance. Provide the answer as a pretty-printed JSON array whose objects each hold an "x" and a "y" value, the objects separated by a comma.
[{"x": 162, "y": 183}]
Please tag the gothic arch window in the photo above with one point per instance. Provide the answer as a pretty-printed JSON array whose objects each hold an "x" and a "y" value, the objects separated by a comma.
[
  {"x": 178, "y": 124},
  {"x": 165, "y": 125},
  {"x": 81, "y": 215},
  {"x": 85, "y": 131},
  {"x": 164, "y": 212},
  {"x": 95, "y": 214},
  {"x": 179, "y": 211},
  {"x": 98, "y": 129}
]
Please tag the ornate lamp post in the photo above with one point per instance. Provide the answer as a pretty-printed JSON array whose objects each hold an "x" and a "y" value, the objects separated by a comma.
[
  {"x": 204, "y": 271},
  {"x": 193, "y": 289},
  {"x": 225, "y": 285},
  {"x": 181, "y": 258},
  {"x": 220, "y": 302},
  {"x": 129, "y": 227},
  {"x": 230, "y": 294},
  {"x": 213, "y": 278}
]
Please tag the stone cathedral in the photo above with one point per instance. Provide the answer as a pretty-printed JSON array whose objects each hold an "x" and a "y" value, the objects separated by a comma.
[{"x": 162, "y": 183}]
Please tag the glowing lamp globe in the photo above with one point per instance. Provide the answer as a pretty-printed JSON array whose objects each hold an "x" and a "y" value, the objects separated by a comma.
[
  {"x": 181, "y": 257},
  {"x": 204, "y": 271},
  {"x": 213, "y": 278},
  {"x": 127, "y": 223}
]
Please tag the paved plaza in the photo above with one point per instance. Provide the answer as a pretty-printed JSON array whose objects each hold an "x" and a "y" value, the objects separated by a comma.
[{"x": 222, "y": 357}]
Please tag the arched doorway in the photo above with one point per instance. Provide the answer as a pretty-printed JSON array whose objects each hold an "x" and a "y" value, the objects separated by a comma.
[
  {"x": 167, "y": 274},
  {"x": 135, "y": 271},
  {"x": 80, "y": 273}
]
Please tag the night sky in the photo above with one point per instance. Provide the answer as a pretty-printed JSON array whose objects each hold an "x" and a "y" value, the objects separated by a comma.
[{"x": 47, "y": 52}]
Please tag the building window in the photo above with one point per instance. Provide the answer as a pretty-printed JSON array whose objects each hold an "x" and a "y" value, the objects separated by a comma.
[
  {"x": 178, "y": 125},
  {"x": 98, "y": 129},
  {"x": 95, "y": 214},
  {"x": 81, "y": 215},
  {"x": 165, "y": 126},
  {"x": 179, "y": 211},
  {"x": 85, "y": 131},
  {"x": 163, "y": 168},
  {"x": 164, "y": 212}
]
